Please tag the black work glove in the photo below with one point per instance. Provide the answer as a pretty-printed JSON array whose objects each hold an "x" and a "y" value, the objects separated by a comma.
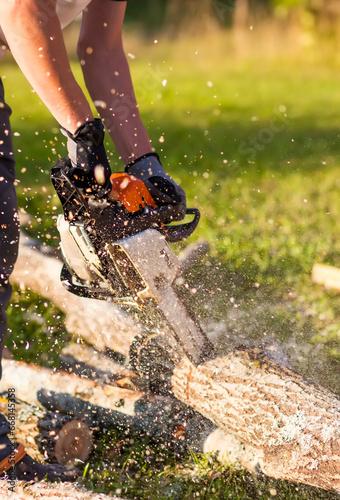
[
  {"x": 162, "y": 188},
  {"x": 90, "y": 169}
]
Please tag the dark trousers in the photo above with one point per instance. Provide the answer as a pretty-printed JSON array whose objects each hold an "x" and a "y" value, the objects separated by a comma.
[{"x": 9, "y": 223}]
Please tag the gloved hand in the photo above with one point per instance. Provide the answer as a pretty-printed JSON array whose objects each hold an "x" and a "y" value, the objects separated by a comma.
[
  {"x": 162, "y": 188},
  {"x": 90, "y": 167}
]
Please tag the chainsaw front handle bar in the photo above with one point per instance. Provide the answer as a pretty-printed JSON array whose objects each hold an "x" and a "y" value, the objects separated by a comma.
[{"x": 179, "y": 232}]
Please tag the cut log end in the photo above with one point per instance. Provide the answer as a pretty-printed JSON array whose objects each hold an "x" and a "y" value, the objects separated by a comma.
[
  {"x": 326, "y": 275},
  {"x": 74, "y": 442}
]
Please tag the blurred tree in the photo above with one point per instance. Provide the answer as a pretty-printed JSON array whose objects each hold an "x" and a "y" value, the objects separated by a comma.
[
  {"x": 241, "y": 14},
  {"x": 191, "y": 16},
  {"x": 325, "y": 9},
  {"x": 249, "y": 11},
  {"x": 180, "y": 17},
  {"x": 149, "y": 14},
  {"x": 325, "y": 13}
]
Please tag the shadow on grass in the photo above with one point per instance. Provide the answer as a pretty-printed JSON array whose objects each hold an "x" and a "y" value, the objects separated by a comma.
[{"x": 255, "y": 147}]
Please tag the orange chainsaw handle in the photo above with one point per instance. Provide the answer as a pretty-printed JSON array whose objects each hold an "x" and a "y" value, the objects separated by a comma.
[
  {"x": 133, "y": 195},
  {"x": 130, "y": 192}
]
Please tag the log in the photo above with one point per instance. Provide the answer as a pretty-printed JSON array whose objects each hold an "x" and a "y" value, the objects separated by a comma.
[
  {"x": 100, "y": 323},
  {"x": 74, "y": 442},
  {"x": 328, "y": 276},
  {"x": 52, "y": 491},
  {"x": 163, "y": 419},
  {"x": 59, "y": 438},
  {"x": 291, "y": 426},
  {"x": 295, "y": 424},
  {"x": 27, "y": 418},
  {"x": 28, "y": 379},
  {"x": 87, "y": 362}
]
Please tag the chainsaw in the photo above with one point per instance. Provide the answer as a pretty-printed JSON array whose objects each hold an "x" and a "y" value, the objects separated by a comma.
[{"x": 119, "y": 250}]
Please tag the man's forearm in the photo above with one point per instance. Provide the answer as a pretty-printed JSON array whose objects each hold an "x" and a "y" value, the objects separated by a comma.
[
  {"x": 107, "y": 77},
  {"x": 40, "y": 52}
]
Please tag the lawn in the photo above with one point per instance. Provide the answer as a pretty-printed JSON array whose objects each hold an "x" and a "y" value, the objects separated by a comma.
[{"x": 255, "y": 143}]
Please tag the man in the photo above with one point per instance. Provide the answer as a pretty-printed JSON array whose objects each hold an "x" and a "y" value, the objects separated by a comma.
[{"x": 32, "y": 30}]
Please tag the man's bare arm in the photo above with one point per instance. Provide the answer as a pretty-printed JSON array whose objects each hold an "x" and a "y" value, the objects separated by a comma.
[
  {"x": 107, "y": 77},
  {"x": 39, "y": 50}
]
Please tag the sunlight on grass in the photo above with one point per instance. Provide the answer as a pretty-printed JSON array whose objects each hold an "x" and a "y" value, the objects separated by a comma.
[{"x": 255, "y": 144}]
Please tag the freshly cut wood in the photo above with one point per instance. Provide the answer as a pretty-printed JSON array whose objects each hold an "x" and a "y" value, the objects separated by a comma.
[
  {"x": 74, "y": 441},
  {"x": 328, "y": 276},
  {"x": 62, "y": 438},
  {"x": 293, "y": 423}
]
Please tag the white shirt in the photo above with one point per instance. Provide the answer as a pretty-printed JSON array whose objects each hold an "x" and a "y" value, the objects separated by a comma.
[{"x": 67, "y": 11}]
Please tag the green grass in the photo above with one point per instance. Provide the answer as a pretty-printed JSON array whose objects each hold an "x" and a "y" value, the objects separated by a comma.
[
  {"x": 35, "y": 330},
  {"x": 131, "y": 467},
  {"x": 255, "y": 143}
]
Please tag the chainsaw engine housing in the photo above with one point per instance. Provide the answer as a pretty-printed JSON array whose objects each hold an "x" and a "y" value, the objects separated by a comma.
[{"x": 110, "y": 252}]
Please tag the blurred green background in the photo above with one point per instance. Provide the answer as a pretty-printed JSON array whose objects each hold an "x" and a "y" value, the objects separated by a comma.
[{"x": 241, "y": 100}]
